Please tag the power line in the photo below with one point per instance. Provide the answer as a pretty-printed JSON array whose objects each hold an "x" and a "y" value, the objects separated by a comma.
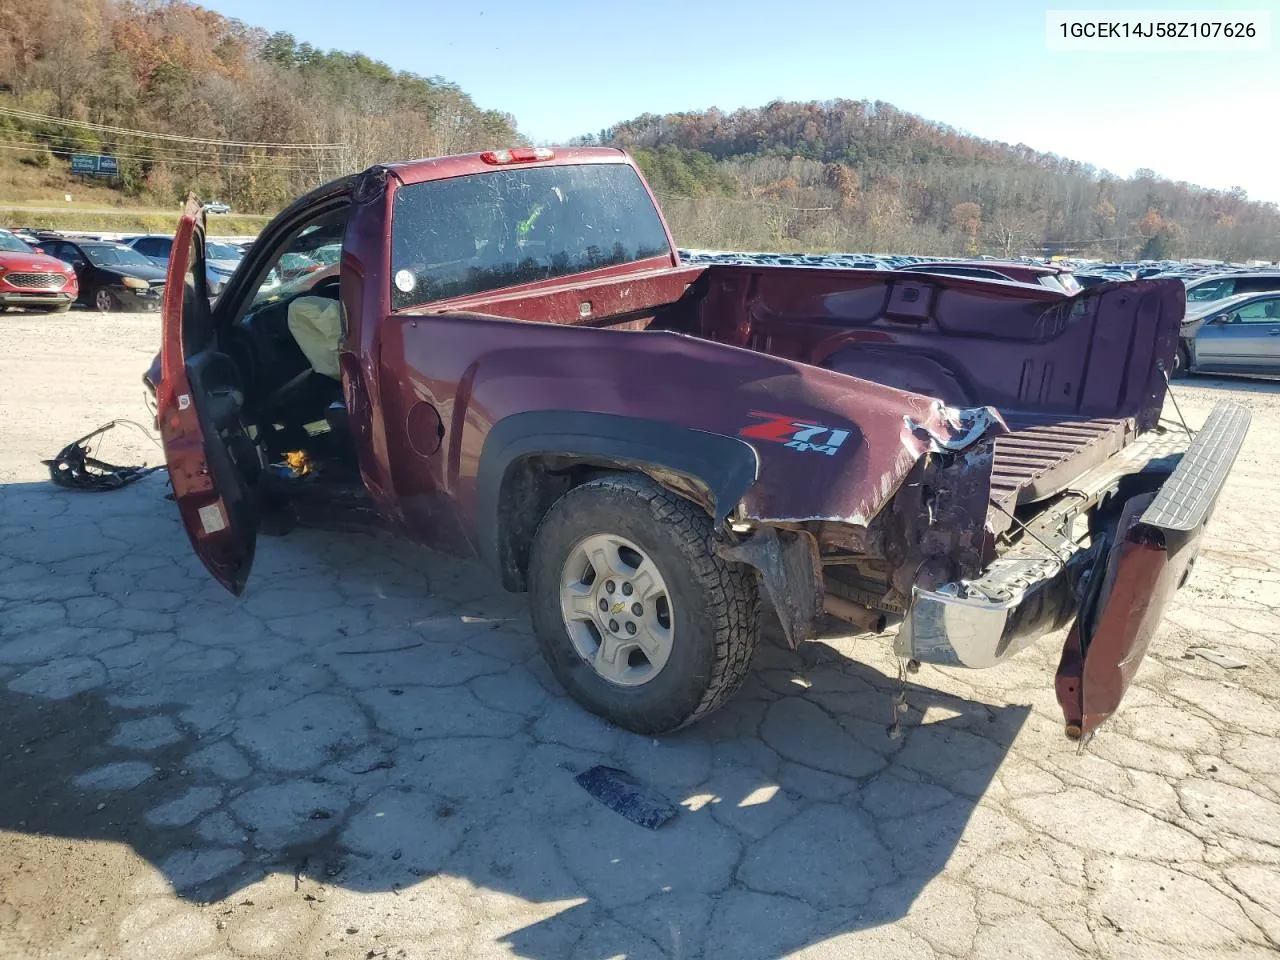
[
  {"x": 161, "y": 153},
  {"x": 267, "y": 167},
  {"x": 748, "y": 201},
  {"x": 1067, "y": 243},
  {"x": 42, "y": 118}
]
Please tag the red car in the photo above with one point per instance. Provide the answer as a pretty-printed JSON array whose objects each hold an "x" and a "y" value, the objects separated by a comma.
[
  {"x": 31, "y": 279},
  {"x": 512, "y": 363}
]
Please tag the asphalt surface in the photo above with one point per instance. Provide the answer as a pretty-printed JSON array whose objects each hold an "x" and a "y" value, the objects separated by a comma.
[{"x": 364, "y": 756}]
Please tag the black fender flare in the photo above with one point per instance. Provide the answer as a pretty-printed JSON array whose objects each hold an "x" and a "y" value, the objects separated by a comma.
[{"x": 725, "y": 466}]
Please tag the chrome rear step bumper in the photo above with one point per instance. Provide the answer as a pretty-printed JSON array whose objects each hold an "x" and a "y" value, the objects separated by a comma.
[{"x": 979, "y": 623}]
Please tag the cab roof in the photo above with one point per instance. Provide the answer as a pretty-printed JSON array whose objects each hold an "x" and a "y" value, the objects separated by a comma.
[{"x": 442, "y": 168}]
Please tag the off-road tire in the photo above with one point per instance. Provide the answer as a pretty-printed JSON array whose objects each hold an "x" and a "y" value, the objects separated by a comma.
[{"x": 715, "y": 604}]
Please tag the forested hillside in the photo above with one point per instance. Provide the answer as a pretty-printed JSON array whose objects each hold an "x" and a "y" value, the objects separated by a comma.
[
  {"x": 254, "y": 119},
  {"x": 854, "y": 175},
  {"x": 176, "y": 69}
]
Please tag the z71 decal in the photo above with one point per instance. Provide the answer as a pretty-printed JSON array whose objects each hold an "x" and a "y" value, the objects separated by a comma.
[{"x": 799, "y": 435}]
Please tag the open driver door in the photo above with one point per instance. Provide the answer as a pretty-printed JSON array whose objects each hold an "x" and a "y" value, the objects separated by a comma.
[{"x": 213, "y": 464}]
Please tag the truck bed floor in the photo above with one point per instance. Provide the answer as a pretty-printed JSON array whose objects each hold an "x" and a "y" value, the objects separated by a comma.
[{"x": 1039, "y": 459}]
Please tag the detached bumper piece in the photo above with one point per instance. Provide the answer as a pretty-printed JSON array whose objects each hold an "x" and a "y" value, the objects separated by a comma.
[
  {"x": 980, "y": 623},
  {"x": 1150, "y": 559}
]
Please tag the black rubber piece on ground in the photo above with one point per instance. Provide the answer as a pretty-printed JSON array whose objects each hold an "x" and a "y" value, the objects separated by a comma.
[
  {"x": 715, "y": 604},
  {"x": 624, "y": 794}
]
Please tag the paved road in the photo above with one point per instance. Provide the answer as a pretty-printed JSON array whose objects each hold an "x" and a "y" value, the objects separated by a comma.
[
  {"x": 364, "y": 757},
  {"x": 72, "y": 208}
]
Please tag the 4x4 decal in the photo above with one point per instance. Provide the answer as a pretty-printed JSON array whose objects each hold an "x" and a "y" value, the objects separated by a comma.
[{"x": 801, "y": 435}]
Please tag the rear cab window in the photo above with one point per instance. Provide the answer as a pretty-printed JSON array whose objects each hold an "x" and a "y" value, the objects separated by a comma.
[{"x": 489, "y": 231}]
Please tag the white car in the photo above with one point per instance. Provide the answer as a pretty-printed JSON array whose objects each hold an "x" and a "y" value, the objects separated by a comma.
[
  {"x": 217, "y": 206},
  {"x": 221, "y": 259}
]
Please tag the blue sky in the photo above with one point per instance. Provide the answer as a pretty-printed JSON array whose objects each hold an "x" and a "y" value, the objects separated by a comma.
[{"x": 565, "y": 67}]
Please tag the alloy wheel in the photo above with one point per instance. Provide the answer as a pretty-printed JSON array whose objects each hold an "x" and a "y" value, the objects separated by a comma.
[{"x": 617, "y": 609}]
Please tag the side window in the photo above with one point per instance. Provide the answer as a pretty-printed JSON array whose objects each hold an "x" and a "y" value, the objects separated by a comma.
[
  {"x": 1213, "y": 290},
  {"x": 148, "y": 248},
  {"x": 1260, "y": 311},
  {"x": 299, "y": 269},
  {"x": 1257, "y": 284}
]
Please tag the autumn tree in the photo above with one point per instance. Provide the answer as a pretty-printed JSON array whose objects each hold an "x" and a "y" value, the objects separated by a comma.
[
  {"x": 966, "y": 218},
  {"x": 911, "y": 174},
  {"x": 1010, "y": 235},
  {"x": 173, "y": 68},
  {"x": 845, "y": 182}
]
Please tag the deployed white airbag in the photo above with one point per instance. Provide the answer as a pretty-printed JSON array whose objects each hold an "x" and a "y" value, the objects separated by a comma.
[{"x": 316, "y": 324}]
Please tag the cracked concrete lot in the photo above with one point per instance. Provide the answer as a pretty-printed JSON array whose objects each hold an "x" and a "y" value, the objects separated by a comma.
[{"x": 364, "y": 756}]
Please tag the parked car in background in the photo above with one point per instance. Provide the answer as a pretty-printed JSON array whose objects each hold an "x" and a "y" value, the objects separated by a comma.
[
  {"x": 111, "y": 276},
  {"x": 329, "y": 254},
  {"x": 34, "y": 280},
  {"x": 1236, "y": 335},
  {"x": 294, "y": 265},
  {"x": 223, "y": 258},
  {"x": 155, "y": 247},
  {"x": 1220, "y": 286},
  {"x": 217, "y": 206},
  {"x": 323, "y": 282},
  {"x": 25, "y": 234},
  {"x": 1087, "y": 279},
  {"x": 1045, "y": 275}
]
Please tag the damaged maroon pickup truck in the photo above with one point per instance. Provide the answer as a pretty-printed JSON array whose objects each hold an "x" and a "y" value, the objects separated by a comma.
[{"x": 511, "y": 363}]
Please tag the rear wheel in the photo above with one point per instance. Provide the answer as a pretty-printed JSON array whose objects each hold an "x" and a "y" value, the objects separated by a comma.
[
  {"x": 636, "y": 615},
  {"x": 103, "y": 301}
]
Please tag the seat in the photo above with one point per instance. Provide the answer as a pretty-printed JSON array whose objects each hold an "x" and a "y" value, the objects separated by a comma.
[{"x": 291, "y": 411}]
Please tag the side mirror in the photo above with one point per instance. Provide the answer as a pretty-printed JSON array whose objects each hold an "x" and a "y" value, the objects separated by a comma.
[{"x": 1221, "y": 319}]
